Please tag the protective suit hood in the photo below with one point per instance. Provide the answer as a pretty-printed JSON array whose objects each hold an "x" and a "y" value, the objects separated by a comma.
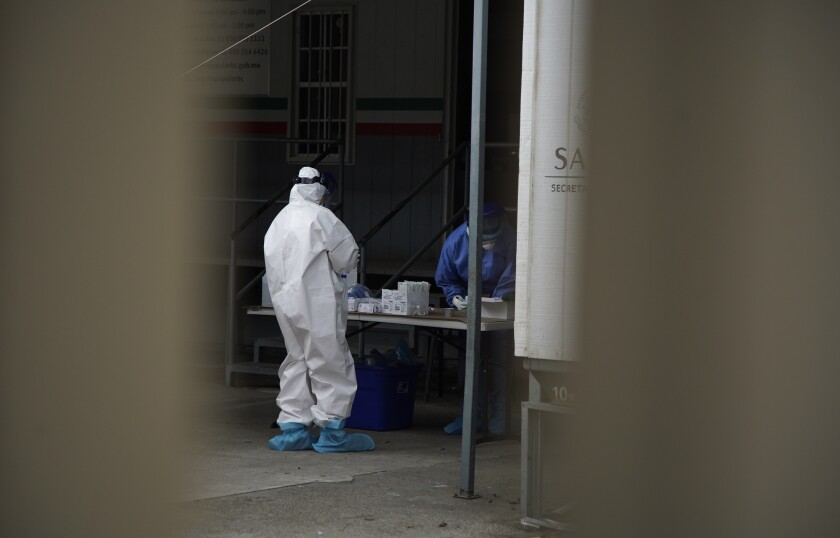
[{"x": 312, "y": 192}]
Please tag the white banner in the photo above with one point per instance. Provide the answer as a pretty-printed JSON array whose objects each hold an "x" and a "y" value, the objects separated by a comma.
[
  {"x": 218, "y": 24},
  {"x": 552, "y": 178}
]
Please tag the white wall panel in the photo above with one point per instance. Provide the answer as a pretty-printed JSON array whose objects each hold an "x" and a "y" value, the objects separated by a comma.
[
  {"x": 429, "y": 43},
  {"x": 552, "y": 179},
  {"x": 282, "y": 45},
  {"x": 400, "y": 48}
]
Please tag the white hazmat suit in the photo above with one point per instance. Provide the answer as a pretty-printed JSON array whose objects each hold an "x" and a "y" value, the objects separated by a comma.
[{"x": 306, "y": 249}]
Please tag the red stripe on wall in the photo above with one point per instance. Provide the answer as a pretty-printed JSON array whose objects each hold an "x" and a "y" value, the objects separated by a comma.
[
  {"x": 245, "y": 127},
  {"x": 399, "y": 129}
]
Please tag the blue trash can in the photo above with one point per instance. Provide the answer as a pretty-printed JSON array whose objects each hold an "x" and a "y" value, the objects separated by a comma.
[{"x": 385, "y": 397}]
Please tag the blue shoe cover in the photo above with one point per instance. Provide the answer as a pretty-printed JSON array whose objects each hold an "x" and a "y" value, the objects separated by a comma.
[
  {"x": 496, "y": 426},
  {"x": 456, "y": 427},
  {"x": 335, "y": 439},
  {"x": 295, "y": 436}
]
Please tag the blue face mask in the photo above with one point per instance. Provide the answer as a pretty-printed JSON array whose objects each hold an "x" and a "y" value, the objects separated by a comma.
[
  {"x": 327, "y": 198},
  {"x": 492, "y": 226}
]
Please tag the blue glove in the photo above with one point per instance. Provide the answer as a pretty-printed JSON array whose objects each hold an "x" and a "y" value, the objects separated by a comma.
[{"x": 358, "y": 291}]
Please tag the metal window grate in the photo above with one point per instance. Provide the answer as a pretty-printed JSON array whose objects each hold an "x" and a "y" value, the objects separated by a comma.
[{"x": 323, "y": 53}]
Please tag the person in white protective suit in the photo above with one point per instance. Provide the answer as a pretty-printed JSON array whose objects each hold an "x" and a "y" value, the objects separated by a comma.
[{"x": 306, "y": 249}]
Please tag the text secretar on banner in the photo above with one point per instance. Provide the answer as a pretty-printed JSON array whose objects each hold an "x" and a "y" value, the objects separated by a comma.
[{"x": 565, "y": 187}]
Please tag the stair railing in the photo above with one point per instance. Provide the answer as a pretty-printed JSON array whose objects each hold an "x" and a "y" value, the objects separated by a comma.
[
  {"x": 397, "y": 208},
  {"x": 363, "y": 242}
]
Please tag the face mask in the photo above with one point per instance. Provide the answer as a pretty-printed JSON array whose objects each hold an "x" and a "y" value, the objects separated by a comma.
[{"x": 488, "y": 245}]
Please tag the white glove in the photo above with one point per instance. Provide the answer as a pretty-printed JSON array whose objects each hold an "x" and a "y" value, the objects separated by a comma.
[{"x": 460, "y": 303}]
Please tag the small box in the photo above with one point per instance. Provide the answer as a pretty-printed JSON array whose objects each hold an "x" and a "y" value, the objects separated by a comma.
[
  {"x": 404, "y": 303},
  {"x": 365, "y": 305},
  {"x": 495, "y": 308},
  {"x": 384, "y": 398},
  {"x": 394, "y": 302},
  {"x": 369, "y": 306}
]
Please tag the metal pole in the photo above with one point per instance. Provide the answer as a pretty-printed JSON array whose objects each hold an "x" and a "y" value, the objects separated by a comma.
[
  {"x": 479, "y": 77},
  {"x": 466, "y": 185},
  {"x": 361, "y": 352},
  {"x": 341, "y": 176},
  {"x": 230, "y": 332},
  {"x": 362, "y": 264},
  {"x": 362, "y": 272}
]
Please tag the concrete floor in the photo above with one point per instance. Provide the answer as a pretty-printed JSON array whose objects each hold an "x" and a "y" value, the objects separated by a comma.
[{"x": 405, "y": 487}]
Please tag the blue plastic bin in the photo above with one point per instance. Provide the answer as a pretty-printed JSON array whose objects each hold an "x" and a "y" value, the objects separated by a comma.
[{"x": 385, "y": 397}]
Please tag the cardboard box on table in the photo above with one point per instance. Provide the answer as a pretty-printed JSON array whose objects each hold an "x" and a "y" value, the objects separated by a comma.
[{"x": 404, "y": 303}]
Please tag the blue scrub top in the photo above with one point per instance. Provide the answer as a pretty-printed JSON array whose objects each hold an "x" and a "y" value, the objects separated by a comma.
[{"x": 498, "y": 266}]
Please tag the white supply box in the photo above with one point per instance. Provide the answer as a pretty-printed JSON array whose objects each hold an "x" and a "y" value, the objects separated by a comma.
[
  {"x": 367, "y": 305},
  {"x": 405, "y": 303},
  {"x": 496, "y": 308},
  {"x": 371, "y": 306}
]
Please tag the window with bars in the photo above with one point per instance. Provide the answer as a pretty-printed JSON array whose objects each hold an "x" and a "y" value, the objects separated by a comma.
[{"x": 323, "y": 52}]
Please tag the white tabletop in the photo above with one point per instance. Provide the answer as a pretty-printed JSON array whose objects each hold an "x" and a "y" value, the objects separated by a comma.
[{"x": 437, "y": 322}]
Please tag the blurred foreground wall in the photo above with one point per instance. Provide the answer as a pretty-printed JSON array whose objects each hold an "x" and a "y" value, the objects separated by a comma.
[
  {"x": 92, "y": 221},
  {"x": 712, "y": 302}
]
